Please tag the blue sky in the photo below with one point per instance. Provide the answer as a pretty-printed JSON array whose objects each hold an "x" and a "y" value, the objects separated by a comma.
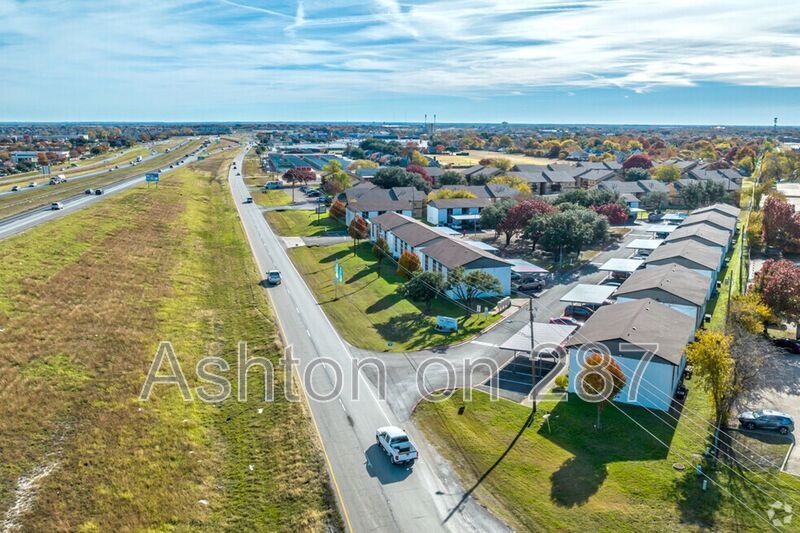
[{"x": 593, "y": 61}]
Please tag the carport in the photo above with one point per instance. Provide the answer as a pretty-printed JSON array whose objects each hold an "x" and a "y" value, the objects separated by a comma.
[
  {"x": 524, "y": 267},
  {"x": 461, "y": 219},
  {"x": 515, "y": 380},
  {"x": 673, "y": 218},
  {"x": 621, "y": 268},
  {"x": 661, "y": 230},
  {"x": 589, "y": 295},
  {"x": 647, "y": 245}
]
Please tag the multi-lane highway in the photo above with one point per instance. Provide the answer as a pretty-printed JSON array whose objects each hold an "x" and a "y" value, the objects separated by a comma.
[
  {"x": 373, "y": 494},
  {"x": 22, "y": 221}
]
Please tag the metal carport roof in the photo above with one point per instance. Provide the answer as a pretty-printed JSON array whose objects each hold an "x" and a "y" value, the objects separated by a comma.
[{"x": 584, "y": 293}]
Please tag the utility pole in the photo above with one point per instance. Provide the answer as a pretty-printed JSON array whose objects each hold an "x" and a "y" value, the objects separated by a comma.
[{"x": 534, "y": 355}]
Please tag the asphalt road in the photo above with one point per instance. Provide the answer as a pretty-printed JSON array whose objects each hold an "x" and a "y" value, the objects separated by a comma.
[
  {"x": 20, "y": 222},
  {"x": 373, "y": 494}
]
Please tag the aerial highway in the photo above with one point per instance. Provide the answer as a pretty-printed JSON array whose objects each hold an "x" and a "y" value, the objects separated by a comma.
[
  {"x": 19, "y": 222},
  {"x": 373, "y": 494}
]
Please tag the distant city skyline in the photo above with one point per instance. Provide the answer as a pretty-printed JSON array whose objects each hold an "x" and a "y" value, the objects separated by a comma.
[{"x": 482, "y": 61}]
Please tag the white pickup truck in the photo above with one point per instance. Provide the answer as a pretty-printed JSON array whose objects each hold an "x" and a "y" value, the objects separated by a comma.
[{"x": 395, "y": 443}]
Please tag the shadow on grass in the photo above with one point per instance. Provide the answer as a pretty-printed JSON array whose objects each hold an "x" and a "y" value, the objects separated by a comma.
[
  {"x": 397, "y": 329},
  {"x": 572, "y": 428},
  {"x": 497, "y": 462}
]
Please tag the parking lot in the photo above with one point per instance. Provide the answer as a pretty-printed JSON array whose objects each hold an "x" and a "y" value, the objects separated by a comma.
[{"x": 515, "y": 380}]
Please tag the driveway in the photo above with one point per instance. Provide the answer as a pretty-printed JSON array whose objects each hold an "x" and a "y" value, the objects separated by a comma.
[{"x": 782, "y": 392}]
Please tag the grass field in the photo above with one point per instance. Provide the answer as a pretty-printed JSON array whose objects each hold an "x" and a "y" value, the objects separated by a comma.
[
  {"x": 271, "y": 198},
  {"x": 476, "y": 155},
  {"x": 302, "y": 223},
  {"x": 45, "y": 194},
  {"x": 570, "y": 477},
  {"x": 84, "y": 306},
  {"x": 369, "y": 313}
]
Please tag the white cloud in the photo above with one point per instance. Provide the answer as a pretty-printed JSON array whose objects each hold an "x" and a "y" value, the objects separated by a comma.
[{"x": 188, "y": 50}]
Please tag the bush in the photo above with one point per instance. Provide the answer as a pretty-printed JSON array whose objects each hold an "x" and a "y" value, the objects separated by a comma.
[{"x": 562, "y": 381}]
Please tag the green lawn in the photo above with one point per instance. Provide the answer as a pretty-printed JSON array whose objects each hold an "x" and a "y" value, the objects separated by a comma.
[
  {"x": 302, "y": 223},
  {"x": 368, "y": 312},
  {"x": 733, "y": 281},
  {"x": 571, "y": 477},
  {"x": 271, "y": 198}
]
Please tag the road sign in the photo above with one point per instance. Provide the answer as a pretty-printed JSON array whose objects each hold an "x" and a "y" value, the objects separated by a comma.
[{"x": 151, "y": 176}]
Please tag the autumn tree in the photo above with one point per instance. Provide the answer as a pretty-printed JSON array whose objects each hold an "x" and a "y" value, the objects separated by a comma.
[
  {"x": 335, "y": 179},
  {"x": 298, "y": 175},
  {"x": 408, "y": 264},
  {"x": 502, "y": 163},
  {"x": 423, "y": 287},
  {"x": 710, "y": 354},
  {"x": 357, "y": 230},
  {"x": 655, "y": 200},
  {"x": 667, "y": 173},
  {"x": 518, "y": 216},
  {"x": 422, "y": 171},
  {"x": 359, "y": 164},
  {"x": 515, "y": 182},
  {"x": 778, "y": 282},
  {"x": 602, "y": 379},
  {"x": 781, "y": 224},
  {"x": 337, "y": 210},
  {"x": 750, "y": 312},
  {"x": 616, "y": 213},
  {"x": 637, "y": 161},
  {"x": 636, "y": 174},
  {"x": 446, "y": 194}
]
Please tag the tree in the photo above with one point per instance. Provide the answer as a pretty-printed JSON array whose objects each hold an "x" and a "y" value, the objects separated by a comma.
[
  {"x": 755, "y": 230},
  {"x": 493, "y": 214},
  {"x": 408, "y": 264},
  {"x": 778, "y": 282},
  {"x": 423, "y": 287},
  {"x": 422, "y": 171},
  {"x": 701, "y": 193},
  {"x": 637, "y": 161},
  {"x": 451, "y": 177},
  {"x": 443, "y": 194},
  {"x": 335, "y": 180},
  {"x": 518, "y": 216},
  {"x": 515, "y": 182},
  {"x": 535, "y": 229},
  {"x": 636, "y": 174},
  {"x": 571, "y": 230},
  {"x": 417, "y": 158},
  {"x": 388, "y": 177},
  {"x": 710, "y": 354},
  {"x": 588, "y": 197},
  {"x": 357, "y": 230},
  {"x": 358, "y": 164},
  {"x": 602, "y": 379},
  {"x": 469, "y": 285},
  {"x": 781, "y": 223},
  {"x": 749, "y": 312},
  {"x": 615, "y": 213},
  {"x": 667, "y": 173},
  {"x": 655, "y": 200},
  {"x": 501, "y": 163},
  {"x": 380, "y": 250},
  {"x": 337, "y": 210},
  {"x": 298, "y": 175}
]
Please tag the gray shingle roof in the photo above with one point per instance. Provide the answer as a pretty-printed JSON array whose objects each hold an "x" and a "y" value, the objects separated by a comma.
[
  {"x": 701, "y": 233},
  {"x": 712, "y": 218},
  {"x": 725, "y": 209},
  {"x": 704, "y": 256},
  {"x": 644, "y": 323},
  {"x": 673, "y": 279}
]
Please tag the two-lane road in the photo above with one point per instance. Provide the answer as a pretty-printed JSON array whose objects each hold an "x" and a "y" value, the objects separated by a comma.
[{"x": 373, "y": 494}]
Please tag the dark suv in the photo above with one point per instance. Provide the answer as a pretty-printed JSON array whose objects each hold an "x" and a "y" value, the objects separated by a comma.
[
  {"x": 578, "y": 312},
  {"x": 790, "y": 345},
  {"x": 767, "y": 419}
]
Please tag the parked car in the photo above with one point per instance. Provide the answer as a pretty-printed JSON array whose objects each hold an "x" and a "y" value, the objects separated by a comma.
[
  {"x": 98, "y": 192},
  {"x": 312, "y": 193},
  {"x": 395, "y": 443},
  {"x": 32, "y": 184},
  {"x": 614, "y": 282},
  {"x": 88, "y": 191},
  {"x": 790, "y": 345},
  {"x": 655, "y": 217},
  {"x": 767, "y": 419},
  {"x": 579, "y": 312},
  {"x": 248, "y": 200},
  {"x": 55, "y": 206},
  {"x": 565, "y": 321},
  {"x": 272, "y": 185},
  {"x": 15, "y": 188},
  {"x": 274, "y": 277},
  {"x": 530, "y": 285}
]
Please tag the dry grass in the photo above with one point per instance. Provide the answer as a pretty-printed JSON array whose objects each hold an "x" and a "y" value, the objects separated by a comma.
[
  {"x": 83, "y": 310},
  {"x": 476, "y": 155}
]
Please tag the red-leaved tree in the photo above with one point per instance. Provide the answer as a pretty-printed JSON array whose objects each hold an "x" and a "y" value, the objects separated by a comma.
[
  {"x": 778, "y": 281},
  {"x": 357, "y": 230},
  {"x": 422, "y": 171},
  {"x": 337, "y": 210},
  {"x": 637, "y": 161},
  {"x": 781, "y": 224},
  {"x": 408, "y": 264},
  {"x": 519, "y": 215},
  {"x": 616, "y": 213}
]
